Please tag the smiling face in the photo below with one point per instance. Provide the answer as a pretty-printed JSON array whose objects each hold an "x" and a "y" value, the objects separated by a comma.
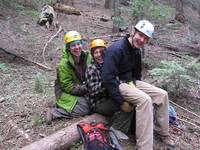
[
  {"x": 75, "y": 48},
  {"x": 139, "y": 39},
  {"x": 98, "y": 54}
]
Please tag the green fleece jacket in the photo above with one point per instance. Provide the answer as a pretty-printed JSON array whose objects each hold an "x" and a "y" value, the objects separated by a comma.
[{"x": 68, "y": 77}]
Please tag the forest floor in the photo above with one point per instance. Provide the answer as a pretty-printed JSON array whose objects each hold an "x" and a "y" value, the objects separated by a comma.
[{"x": 23, "y": 106}]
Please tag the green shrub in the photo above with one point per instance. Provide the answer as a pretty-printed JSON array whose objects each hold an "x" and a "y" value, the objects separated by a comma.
[
  {"x": 39, "y": 82},
  {"x": 4, "y": 68},
  {"x": 38, "y": 120},
  {"x": 138, "y": 8},
  {"x": 147, "y": 9},
  {"x": 120, "y": 21},
  {"x": 176, "y": 78},
  {"x": 173, "y": 26},
  {"x": 141, "y": 9}
]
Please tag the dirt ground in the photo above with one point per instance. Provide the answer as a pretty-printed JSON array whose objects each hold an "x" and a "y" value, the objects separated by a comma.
[{"x": 23, "y": 109}]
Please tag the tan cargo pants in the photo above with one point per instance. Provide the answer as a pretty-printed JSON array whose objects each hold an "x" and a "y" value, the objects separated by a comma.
[{"x": 147, "y": 97}]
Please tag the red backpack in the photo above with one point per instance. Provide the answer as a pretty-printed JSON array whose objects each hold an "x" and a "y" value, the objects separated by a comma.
[{"x": 96, "y": 136}]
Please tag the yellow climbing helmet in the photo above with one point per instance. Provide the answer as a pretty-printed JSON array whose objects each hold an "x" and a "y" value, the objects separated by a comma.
[
  {"x": 72, "y": 36},
  {"x": 97, "y": 43}
]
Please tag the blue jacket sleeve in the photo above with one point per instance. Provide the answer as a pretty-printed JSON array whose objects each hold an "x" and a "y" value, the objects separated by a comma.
[{"x": 109, "y": 74}]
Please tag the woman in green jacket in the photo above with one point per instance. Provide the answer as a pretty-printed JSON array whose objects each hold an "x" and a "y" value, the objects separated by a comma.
[{"x": 69, "y": 87}]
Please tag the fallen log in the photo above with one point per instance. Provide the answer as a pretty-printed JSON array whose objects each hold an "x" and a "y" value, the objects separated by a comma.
[
  {"x": 190, "y": 48},
  {"x": 63, "y": 138},
  {"x": 66, "y": 9}
]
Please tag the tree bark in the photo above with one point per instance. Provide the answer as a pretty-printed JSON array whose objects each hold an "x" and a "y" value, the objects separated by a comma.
[
  {"x": 66, "y": 9},
  {"x": 63, "y": 138},
  {"x": 109, "y": 4},
  {"x": 179, "y": 11},
  {"x": 116, "y": 14}
]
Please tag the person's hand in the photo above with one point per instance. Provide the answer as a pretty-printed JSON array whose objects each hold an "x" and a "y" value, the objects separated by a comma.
[
  {"x": 126, "y": 107},
  {"x": 79, "y": 90}
]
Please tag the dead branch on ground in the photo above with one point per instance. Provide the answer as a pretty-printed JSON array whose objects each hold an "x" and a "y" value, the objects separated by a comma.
[
  {"x": 191, "y": 120},
  {"x": 195, "y": 60},
  {"x": 189, "y": 123},
  {"x": 12, "y": 125},
  {"x": 175, "y": 54},
  {"x": 182, "y": 47},
  {"x": 30, "y": 61},
  {"x": 185, "y": 109},
  {"x": 44, "y": 49}
]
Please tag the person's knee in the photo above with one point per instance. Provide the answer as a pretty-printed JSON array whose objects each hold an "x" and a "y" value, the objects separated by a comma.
[
  {"x": 146, "y": 99},
  {"x": 163, "y": 93},
  {"x": 86, "y": 112}
]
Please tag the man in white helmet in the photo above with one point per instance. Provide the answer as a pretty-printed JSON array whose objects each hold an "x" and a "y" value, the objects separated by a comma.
[{"x": 121, "y": 76}]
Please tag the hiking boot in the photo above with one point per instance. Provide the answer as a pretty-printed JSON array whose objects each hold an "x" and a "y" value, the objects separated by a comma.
[
  {"x": 167, "y": 141},
  {"x": 49, "y": 116}
]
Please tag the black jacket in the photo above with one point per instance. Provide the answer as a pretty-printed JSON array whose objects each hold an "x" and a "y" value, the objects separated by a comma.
[{"x": 121, "y": 63}]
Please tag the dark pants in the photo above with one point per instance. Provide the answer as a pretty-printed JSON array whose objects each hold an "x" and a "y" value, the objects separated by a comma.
[
  {"x": 124, "y": 122},
  {"x": 107, "y": 107},
  {"x": 80, "y": 109},
  {"x": 117, "y": 118}
]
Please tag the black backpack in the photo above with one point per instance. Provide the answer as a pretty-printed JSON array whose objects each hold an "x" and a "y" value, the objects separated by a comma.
[{"x": 96, "y": 136}]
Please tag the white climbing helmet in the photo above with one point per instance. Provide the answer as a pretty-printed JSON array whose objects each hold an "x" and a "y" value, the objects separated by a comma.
[{"x": 145, "y": 27}]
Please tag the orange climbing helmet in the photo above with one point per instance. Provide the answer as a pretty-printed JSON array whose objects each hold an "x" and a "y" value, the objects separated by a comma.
[{"x": 98, "y": 43}]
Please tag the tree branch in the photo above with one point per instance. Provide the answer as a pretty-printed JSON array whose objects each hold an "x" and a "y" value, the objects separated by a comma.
[
  {"x": 185, "y": 109},
  {"x": 189, "y": 123},
  {"x": 44, "y": 49},
  {"x": 20, "y": 132},
  {"x": 33, "y": 62}
]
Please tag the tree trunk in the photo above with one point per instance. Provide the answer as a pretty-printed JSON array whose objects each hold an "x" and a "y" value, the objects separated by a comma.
[
  {"x": 66, "y": 9},
  {"x": 63, "y": 138},
  {"x": 116, "y": 14},
  {"x": 109, "y": 4},
  {"x": 179, "y": 11},
  {"x": 179, "y": 6}
]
